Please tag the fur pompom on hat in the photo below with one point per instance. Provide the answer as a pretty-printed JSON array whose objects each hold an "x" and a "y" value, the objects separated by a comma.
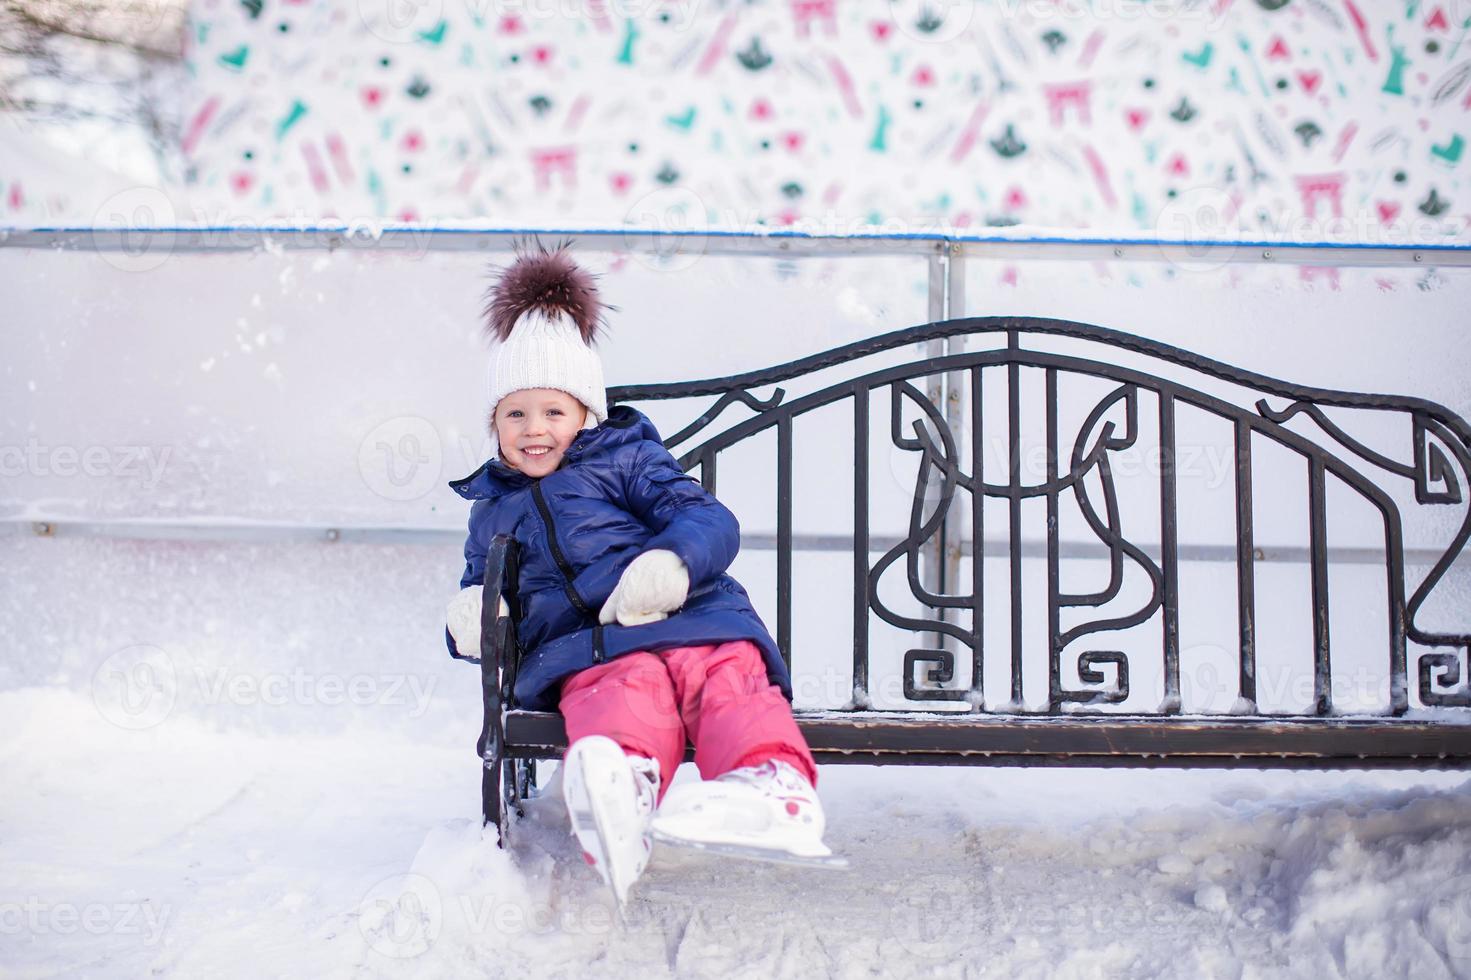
[{"x": 543, "y": 312}]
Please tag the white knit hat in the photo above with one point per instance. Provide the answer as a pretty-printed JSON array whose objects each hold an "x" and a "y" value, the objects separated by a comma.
[
  {"x": 544, "y": 311},
  {"x": 548, "y": 352}
]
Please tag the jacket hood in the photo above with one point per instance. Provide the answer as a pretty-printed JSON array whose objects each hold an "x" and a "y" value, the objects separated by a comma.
[{"x": 623, "y": 425}]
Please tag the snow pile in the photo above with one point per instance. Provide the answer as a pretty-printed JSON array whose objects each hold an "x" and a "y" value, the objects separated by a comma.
[{"x": 192, "y": 849}]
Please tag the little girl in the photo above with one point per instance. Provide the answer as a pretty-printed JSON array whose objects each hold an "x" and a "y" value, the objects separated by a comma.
[{"x": 629, "y": 625}]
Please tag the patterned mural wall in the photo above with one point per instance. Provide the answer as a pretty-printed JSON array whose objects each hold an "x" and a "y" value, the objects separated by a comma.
[
  {"x": 1310, "y": 119},
  {"x": 1298, "y": 119}
]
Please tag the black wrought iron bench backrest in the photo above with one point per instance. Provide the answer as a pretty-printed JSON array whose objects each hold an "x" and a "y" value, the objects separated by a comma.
[{"x": 944, "y": 390}]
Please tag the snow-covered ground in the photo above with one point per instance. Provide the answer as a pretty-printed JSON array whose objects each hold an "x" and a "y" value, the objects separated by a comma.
[
  {"x": 188, "y": 850},
  {"x": 250, "y": 760}
]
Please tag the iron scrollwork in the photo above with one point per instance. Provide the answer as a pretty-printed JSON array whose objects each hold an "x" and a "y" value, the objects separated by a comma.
[
  {"x": 1438, "y": 468},
  {"x": 941, "y": 673},
  {"x": 1435, "y": 483},
  {"x": 1108, "y": 530},
  {"x": 1088, "y": 673},
  {"x": 939, "y": 461},
  {"x": 1440, "y": 676}
]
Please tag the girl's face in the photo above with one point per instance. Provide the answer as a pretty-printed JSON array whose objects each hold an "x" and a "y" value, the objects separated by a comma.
[{"x": 535, "y": 426}]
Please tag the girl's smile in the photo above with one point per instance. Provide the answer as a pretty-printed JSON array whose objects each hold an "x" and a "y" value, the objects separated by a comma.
[{"x": 535, "y": 426}]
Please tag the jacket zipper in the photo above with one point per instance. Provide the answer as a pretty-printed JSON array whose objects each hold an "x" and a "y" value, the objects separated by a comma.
[{"x": 561, "y": 560}]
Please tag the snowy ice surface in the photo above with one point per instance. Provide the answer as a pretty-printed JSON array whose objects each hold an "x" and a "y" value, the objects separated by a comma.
[
  {"x": 248, "y": 760},
  {"x": 202, "y": 852}
]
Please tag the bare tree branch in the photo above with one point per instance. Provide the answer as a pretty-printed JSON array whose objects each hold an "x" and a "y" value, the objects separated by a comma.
[
  {"x": 152, "y": 28},
  {"x": 117, "y": 62}
]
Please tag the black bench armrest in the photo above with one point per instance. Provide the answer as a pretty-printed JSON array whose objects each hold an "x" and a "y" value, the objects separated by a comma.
[{"x": 499, "y": 655}]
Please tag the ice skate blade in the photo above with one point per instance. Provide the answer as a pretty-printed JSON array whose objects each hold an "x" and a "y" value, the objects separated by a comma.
[
  {"x": 749, "y": 853},
  {"x": 591, "y": 808}
]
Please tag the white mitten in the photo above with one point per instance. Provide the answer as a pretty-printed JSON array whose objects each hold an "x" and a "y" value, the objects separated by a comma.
[
  {"x": 463, "y": 618},
  {"x": 652, "y": 586}
]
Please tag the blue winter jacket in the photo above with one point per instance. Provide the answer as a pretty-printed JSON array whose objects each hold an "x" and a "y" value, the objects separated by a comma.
[{"x": 619, "y": 493}]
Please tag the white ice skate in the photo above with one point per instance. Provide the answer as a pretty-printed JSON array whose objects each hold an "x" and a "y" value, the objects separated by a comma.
[
  {"x": 765, "y": 813},
  {"x": 610, "y": 799}
]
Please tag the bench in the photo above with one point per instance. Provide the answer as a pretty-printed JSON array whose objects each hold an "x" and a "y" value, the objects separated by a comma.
[{"x": 1128, "y": 392}]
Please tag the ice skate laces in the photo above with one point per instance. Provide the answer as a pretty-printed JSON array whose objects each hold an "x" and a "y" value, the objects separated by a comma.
[
  {"x": 779, "y": 781},
  {"x": 645, "y": 783}
]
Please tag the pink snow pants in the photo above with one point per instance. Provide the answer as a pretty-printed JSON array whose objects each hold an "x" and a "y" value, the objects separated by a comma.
[{"x": 717, "y": 695}]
